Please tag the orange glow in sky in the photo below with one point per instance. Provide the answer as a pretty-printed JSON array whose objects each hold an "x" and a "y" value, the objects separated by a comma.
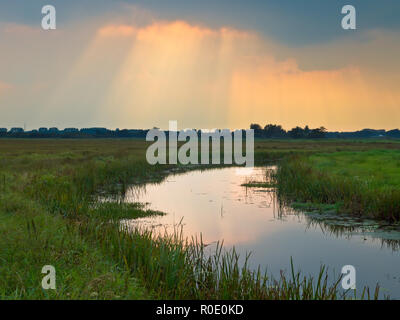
[{"x": 143, "y": 76}]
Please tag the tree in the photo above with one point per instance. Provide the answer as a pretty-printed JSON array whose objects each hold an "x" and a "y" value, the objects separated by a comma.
[
  {"x": 258, "y": 132},
  {"x": 297, "y": 133},
  {"x": 255, "y": 126},
  {"x": 274, "y": 131},
  {"x": 306, "y": 130},
  {"x": 317, "y": 133}
]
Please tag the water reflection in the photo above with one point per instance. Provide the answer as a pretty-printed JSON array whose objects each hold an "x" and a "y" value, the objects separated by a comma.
[{"x": 215, "y": 204}]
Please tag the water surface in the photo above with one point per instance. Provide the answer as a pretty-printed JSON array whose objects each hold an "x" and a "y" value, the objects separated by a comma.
[{"x": 215, "y": 204}]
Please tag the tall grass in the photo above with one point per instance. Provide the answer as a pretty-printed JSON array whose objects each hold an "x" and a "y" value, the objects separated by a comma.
[
  {"x": 360, "y": 193},
  {"x": 171, "y": 267},
  {"x": 167, "y": 266},
  {"x": 51, "y": 212}
]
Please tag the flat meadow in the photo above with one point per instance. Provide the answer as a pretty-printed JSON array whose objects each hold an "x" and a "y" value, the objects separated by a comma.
[
  {"x": 364, "y": 184},
  {"x": 50, "y": 212}
]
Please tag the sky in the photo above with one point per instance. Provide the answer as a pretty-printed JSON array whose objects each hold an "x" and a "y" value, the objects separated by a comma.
[{"x": 207, "y": 64}]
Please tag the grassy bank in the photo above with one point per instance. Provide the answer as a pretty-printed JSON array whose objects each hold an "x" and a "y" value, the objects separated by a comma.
[
  {"x": 364, "y": 184},
  {"x": 50, "y": 214}
]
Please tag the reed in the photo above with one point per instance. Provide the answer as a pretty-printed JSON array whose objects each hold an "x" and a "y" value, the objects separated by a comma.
[
  {"x": 51, "y": 212},
  {"x": 363, "y": 184},
  {"x": 171, "y": 267}
]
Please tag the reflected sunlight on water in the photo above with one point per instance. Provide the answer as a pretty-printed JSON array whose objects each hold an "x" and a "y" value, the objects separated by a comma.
[{"x": 214, "y": 203}]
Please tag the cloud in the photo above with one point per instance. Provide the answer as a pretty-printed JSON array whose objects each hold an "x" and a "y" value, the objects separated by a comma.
[
  {"x": 5, "y": 87},
  {"x": 19, "y": 29},
  {"x": 121, "y": 74},
  {"x": 177, "y": 28},
  {"x": 224, "y": 77},
  {"x": 116, "y": 31}
]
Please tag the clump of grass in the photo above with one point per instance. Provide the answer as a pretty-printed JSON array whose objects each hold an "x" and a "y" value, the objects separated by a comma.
[
  {"x": 117, "y": 210},
  {"x": 258, "y": 184},
  {"x": 320, "y": 207},
  {"x": 171, "y": 267},
  {"x": 361, "y": 188},
  {"x": 267, "y": 182}
]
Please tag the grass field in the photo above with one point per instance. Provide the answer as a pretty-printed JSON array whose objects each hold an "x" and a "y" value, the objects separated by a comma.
[
  {"x": 49, "y": 215},
  {"x": 365, "y": 184}
]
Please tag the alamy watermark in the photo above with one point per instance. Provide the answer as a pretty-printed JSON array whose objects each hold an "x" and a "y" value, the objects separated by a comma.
[
  {"x": 349, "y": 278},
  {"x": 188, "y": 153},
  {"x": 348, "y": 22},
  {"x": 49, "y": 20},
  {"x": 49, "y": 280}
]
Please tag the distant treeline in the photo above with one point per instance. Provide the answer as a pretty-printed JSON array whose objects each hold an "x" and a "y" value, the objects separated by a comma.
[
  {"x": 270, "y": 131},
  {"x": 73, "y": 133},
  {"x": 276, "y": 131}
]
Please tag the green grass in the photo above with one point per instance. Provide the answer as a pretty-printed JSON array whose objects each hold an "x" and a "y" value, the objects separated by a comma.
[
  {"x": 258, "y": 184},
  {"x": 31, "y": 238},
  {"x": 379, "y": 169},
  {"x": 116, "y": 210},
  {"x": 364, "y": 184},
  {"x": 51, "y": 213}
]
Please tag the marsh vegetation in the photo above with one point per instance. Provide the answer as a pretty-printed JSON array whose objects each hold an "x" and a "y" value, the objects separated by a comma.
[
  {"x": 363, "y": 184},
  {"x": 50, "y": 213}
]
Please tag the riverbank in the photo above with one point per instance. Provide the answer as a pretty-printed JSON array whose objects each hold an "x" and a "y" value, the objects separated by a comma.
[
  {"x": 362, "y": 184},
  {"x": 50, "y": 215}
]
